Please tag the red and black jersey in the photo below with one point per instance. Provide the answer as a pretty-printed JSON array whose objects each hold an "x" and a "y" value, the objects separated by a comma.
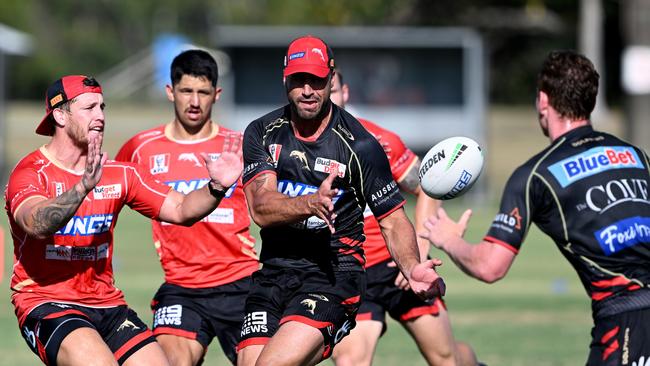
[
  {"x": 401, "y": 160},
  {"x": 214, "y": 251},
  {"x": 74, "y": 264},
  {"x": 589, "y": 192},
  {"x": 270, "y": 145}
]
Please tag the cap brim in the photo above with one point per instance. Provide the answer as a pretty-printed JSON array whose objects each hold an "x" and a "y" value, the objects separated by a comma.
[
  {"x": 46, "y": 127},
  {"x": 318, "y": 70}
]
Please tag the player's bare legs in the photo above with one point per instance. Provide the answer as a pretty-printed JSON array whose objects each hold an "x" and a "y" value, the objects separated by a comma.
[
  {"x": 247, "y": 356},
  {"x": 149, "y": 355},
  {"x": 358, "y": 348},
  {"x": 293, "y": 344},
  {"x": 84, "y": 346},
  {"x": 181, "y": 351},
  {"x": 435, "y": 340}
]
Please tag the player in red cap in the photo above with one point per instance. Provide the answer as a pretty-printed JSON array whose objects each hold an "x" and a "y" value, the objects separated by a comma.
[
  {"x": 427, "y": 321},
  {"x": 62, "y": 201},
  {"x": 310, "y": 170},
  {"x": 208, "y": 265}
]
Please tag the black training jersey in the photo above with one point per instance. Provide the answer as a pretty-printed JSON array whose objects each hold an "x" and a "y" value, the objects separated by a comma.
[
  {"x": 589, "y": 192},
  {"x": 270, "y": 145}
]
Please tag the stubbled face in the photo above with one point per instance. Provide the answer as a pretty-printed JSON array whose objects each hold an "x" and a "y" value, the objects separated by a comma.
[
  {"x": 85, "y": 120},
  {"x": 193, "y": 98},
  {"x": 308, "y": 95}
]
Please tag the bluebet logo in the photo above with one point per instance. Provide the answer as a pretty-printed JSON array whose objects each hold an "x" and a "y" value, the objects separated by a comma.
[
  {"x": 624, "y": 234},
  {"x": 187, "y": 186},
  {"x": 594, "y": 161},
  {"x": 87, "y": 225}
]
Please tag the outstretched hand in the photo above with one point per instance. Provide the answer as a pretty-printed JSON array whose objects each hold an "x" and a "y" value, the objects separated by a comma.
[
  {"x": 425, "y": 281},
  {"x": 227, "y": 168},
  {"x": 95, "y": 160},
  {"x": 440, "y": 228},
  {"x": 321, "y": 203}
]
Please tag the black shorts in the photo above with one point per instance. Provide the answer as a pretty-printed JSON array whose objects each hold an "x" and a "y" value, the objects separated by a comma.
[
  {"x": 279, "y": 295},
  {"x": 202, "y": 313},
  {"x": 384, "y": 296},
  {"x": 48, "y": 324},
  {"x": 621, "y": 339}
]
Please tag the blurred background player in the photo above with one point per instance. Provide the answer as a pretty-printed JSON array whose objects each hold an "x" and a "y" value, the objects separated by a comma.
[
  {"x": 426, "y": 321},
  {"x": 208, "y": 265},
  {"x": 62, "y": 202},
  {"x": 311, "y": 168},
  {"x": 589, "y": 192}
]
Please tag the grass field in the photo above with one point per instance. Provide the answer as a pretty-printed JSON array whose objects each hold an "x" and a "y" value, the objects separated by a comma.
[{"x": 538, "y": 315}]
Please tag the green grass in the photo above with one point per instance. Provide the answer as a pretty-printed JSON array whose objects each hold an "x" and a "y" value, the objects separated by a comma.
[{"x": 537, "y": 315}]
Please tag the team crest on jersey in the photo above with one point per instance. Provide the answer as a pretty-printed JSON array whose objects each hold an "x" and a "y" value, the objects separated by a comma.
[
  {"x": 59, "y": 188},
  {"x": 326, "y": 165},
  {"x": 190, "y": 157},
  {"x": 274, "y": 150},
  {"x": 109, "y": 192},
  {"x": 301, "y": 156},
  {"x": 159, "y": 163}
]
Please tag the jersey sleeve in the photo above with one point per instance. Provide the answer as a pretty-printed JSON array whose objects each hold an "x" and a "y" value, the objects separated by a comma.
[
  {"x": 256, "y": 158},
  {"x": 144, "y": 193},
  {"x": 127, "y": 152},
  {"x": 24, "y": 183},
  {"x": 379, "y": 188},
  {"x": 401, "y": 158},
  {"x": 510, "y": 225}
]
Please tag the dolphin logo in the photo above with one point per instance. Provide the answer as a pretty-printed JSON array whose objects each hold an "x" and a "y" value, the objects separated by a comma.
[
  {"x": 309, "y": 304},
  {"x": 302, "y": 157},
  {"x": 191, "y": 158},
  {"x": 127, "y": 324}
]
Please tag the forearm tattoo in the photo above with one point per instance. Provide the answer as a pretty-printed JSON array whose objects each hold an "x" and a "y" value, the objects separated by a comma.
[
  {"x": 49, "y": 219},
  {"x": 259, "y": 182}
]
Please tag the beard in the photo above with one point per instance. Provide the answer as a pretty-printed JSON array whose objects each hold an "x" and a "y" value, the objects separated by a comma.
[{"x": 310, "y": 115}]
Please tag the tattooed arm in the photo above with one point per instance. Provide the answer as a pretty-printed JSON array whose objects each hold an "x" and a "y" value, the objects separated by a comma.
[
  {"x": 268, "y": 207},
  {"x": 40, "y": 217}
]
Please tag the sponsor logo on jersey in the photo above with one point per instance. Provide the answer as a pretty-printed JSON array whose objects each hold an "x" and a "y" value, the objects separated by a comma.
[
  {"x": 190, "y": 157},
  {"x": 296, "y": 55},
  {"x": 624, "y": 234},
  {"x": 461, "y": 183},
  {"x": 384, "y": 192},
  {"x": 327, "y": 165},
  {"x": 214, "y": 156},
  {"x": 274, "y": 150},
  {"x": 434, "y": 159},
  {"x": 593, "y": 161},
  {"x": 159, "y": 163},
  {"x": 508, "y": 221},
  {"x": 301, "y": 156},
  {"x": 255, "y": 322},
  {"x": 600, "y": 198},
  {"x": 59, "y": 188},
  {"x": 221, "y": 216},
  {"x": 70, "y": 253},
  {"x": 310, "y": 305},
  {"x": 109, "y": 192},
  {"x": 87, "y": 225},
  {"x": 127, "y": 324},
  {"x": 345, "y": 132},
  {"x": 458, "y": 151},
  {"x": 187, "y": 186},
  {"x": 168, "y": 315}
]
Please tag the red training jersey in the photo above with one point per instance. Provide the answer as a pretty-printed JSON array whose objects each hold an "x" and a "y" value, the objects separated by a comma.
[
  {"x": 75, "y": 264},
  {"x": 217, "y": 250},
  {"x": 401, "y": 159}
]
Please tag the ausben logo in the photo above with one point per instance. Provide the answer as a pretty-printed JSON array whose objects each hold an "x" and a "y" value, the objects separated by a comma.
[{"x": 594, "y": 161}]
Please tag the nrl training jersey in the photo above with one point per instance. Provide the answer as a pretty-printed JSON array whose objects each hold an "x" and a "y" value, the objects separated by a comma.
[
  {"x": 270, "y": 146},
  {"x": 401, "y": 160},
  {"x": 589, "y": 192},
  {"x": 74, "y": 264},
  {"x": 214, "y": 251}
]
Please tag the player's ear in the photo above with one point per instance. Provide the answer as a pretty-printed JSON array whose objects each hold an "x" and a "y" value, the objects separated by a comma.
[
  {"x": 169, "y": 90},
  {"x": 541, "y": 101},
  {"x": 345, "y": 90},
  {"x": 217, "y": 93},
  {"x": 58, "y": 116}
]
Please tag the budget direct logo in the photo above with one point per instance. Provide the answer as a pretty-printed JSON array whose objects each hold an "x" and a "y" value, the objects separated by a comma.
[{"x": 594, "y": 161}]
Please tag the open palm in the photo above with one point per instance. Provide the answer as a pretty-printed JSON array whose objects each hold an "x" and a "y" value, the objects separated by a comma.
[{"x": 227, "y": 168}]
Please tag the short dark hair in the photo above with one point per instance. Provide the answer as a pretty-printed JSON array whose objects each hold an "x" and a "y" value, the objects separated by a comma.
[
  {"x": 571, "y": 83},
  {"x": 196, "y": 63}
]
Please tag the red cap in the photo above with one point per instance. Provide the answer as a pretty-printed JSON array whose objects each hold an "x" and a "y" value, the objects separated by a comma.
[
  {"x": 61, "y": 91},
  {"x": 308, "y": 54}
]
